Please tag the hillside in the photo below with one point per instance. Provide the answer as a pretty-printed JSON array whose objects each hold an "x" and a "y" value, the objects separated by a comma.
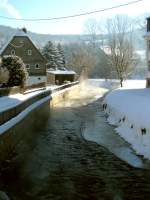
[{"x": 41, "y": 39}]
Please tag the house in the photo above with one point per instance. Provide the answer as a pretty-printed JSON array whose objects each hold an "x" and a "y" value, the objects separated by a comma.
[
  {"x": 60, "y": 76},
  {"x": 21, "y": 45},
  {"x": 147, "y": 37}
]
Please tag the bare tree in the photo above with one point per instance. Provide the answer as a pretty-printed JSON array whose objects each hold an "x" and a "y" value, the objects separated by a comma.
[
  {"x": 91, "y": 28},
  {"x": 81, "y": 58},
  {"x": 120, "y": 44},
  {"x": 97, "y": 40}
]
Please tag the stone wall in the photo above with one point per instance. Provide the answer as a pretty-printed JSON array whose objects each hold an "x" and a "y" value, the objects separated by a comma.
[
  {"x": 20, "y": 134},
  {"x": 12, "y": 112},
  {"x": 61, "y": 95},
  {"x": 25, "y": 130}
]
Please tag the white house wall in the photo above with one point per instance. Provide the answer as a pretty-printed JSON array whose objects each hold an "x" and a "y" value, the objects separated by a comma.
[{"x": 35, "y": 80}]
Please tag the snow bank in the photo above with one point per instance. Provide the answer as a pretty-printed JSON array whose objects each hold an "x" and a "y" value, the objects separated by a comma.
[
  {"x": 129, "y": 111},
  {"x": 132, "y": 84},
  {"x": 11, "y": 101},
  {"x": 104, "y": 83},
  {"x": 6, "y": 126}
]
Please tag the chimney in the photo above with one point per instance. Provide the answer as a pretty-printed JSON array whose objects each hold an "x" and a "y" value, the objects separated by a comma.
[{"x": 24, "y": 30}]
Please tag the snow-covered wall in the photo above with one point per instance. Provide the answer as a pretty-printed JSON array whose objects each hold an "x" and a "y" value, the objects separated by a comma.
[
  {"x": 23, "y": 126},
  {"x": 60, "y": 96}
]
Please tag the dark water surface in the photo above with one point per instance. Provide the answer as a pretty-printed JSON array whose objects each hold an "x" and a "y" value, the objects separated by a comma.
[{"x": 62, "y": 165}]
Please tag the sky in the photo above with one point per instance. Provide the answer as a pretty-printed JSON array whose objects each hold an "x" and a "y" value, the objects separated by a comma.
[{"x": 56, "y": 8}]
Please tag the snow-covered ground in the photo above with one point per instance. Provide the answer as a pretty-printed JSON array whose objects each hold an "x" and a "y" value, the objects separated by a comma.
[
  {"x": 11, "y": 101},
  {"x": 97, "y": 130},
  {"x": 113, "y": 83},
  {"x": 128, "y": 109},
  {"x": 103, "y": 83}
]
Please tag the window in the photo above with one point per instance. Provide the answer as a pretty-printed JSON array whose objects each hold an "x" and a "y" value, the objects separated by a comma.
[
  {"x": 27, "y": 66},
  {"x": 148, "y": 45},
  {"x": 148, "y": 65},
  {"x": 12, "y": 52},
  {"x": 148, "y": 24},
  {"x": 21, "y": 41},
  {"x": 37, "y": 66},
  {"x": 29, "y": 52}
]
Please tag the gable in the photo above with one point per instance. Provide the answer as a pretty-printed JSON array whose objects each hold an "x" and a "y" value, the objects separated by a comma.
[{"x": 21, "y": 45}]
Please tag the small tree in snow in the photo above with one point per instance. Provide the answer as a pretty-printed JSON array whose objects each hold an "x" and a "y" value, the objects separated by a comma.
[
  {"x": 120, "y": 43},
  {"x": 17, "y": 70}
]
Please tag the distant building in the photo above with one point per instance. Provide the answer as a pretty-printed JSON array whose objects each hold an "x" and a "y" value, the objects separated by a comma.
[
  {"x": 21, "y": 45},
  {"x": 147, "y": 37},
  {"x": 60, "y": 76}
]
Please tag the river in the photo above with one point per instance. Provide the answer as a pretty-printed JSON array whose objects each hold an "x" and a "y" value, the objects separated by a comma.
[{"x": 77, "y": 155}]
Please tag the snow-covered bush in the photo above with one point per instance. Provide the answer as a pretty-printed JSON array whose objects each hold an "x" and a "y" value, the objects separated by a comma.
[{"x": 17, "y": 70}]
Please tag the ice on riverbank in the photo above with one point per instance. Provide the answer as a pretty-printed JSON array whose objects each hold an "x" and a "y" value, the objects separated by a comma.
[{"x": 129, "y": 110}]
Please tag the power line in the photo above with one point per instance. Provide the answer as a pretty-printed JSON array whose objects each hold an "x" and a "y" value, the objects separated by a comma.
[{"x": 71, "y": 16}]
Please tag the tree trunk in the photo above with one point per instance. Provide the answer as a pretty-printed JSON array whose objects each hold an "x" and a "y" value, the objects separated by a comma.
[{"x": 121, "y": 82}]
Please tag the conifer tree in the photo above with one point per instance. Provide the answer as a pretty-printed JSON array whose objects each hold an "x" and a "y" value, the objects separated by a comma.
[
  {"x": 50, "y": 53},
  {"x": 61, "y": 55}
]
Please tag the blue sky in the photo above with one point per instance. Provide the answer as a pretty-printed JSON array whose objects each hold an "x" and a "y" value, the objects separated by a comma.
[{"x": 56, "y": 8}]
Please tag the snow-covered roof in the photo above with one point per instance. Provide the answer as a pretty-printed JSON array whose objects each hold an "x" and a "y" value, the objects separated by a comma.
[
  {"x": 19, "y": 32},
  {"x": 5, "y": 45},
  {"x": 63, "y": 72}
]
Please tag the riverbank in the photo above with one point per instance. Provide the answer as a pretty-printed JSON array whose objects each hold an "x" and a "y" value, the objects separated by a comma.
[{"x": 129, "y": 110}]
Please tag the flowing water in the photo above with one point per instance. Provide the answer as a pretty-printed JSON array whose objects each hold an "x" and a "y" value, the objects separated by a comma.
[{"x": 65, "y": 162}]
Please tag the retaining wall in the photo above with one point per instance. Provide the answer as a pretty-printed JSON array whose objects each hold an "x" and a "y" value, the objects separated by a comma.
[
  {"x": 15, "y": 140},
  {"x": 27, "y": 123},
  {"x": 13, "y": 112},
  {"x": 62, "y": 95}
]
